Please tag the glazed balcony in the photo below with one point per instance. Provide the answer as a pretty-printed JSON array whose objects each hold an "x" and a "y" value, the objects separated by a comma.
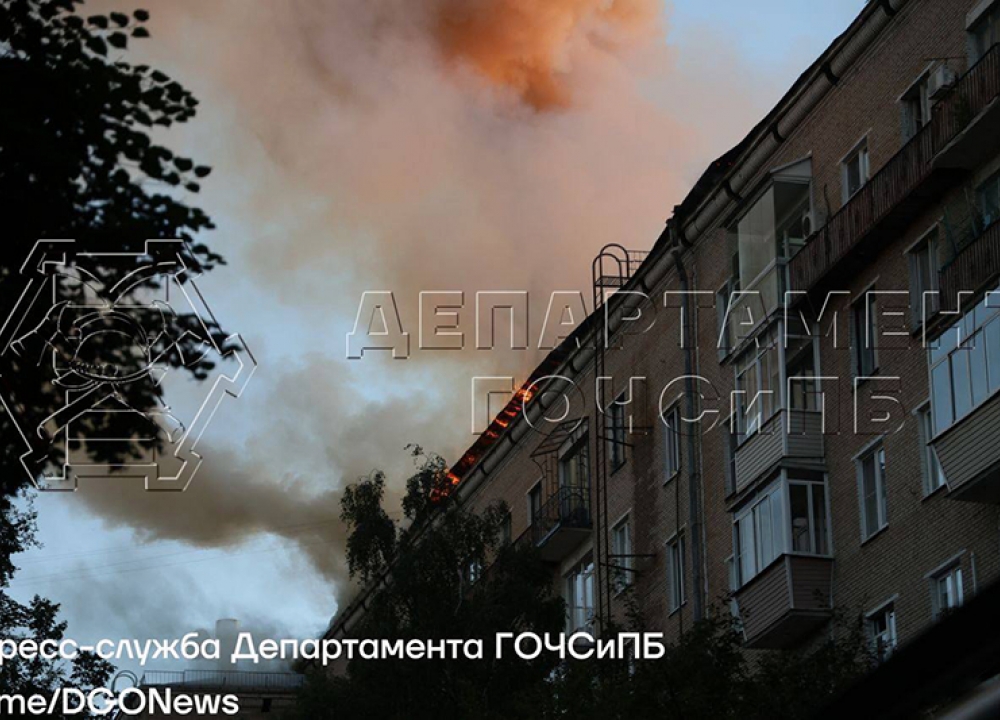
[
  {"x": 563, "y": 523},
  {"x": 970, "y": 455},
  {"x": 790, "y": 435},
  {"x": 964, "y": 127},
  {"x": 790, "y": 599}
]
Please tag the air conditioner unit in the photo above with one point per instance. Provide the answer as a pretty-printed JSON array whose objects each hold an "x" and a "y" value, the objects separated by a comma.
[{"x": 940, "y": 81}]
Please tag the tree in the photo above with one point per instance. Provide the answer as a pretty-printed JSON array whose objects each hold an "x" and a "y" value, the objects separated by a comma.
[
  {"x": 77, "y": 161},
  {"x": 431, "y": 588},
  {"x": 452, "y": 576}
]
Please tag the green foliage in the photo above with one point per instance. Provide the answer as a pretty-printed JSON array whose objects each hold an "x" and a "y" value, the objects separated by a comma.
[
  {"x": 431, "y": 588},
  {"x": 77, "y": 161}
]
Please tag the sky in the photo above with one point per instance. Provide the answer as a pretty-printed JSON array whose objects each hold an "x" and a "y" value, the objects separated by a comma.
[{"x": 371, "y": 146}]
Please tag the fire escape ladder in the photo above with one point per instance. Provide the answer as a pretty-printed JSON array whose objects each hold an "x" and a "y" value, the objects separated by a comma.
[{"x": 612, "y": 268}]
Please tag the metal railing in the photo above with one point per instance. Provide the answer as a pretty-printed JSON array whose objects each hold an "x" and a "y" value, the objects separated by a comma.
[
  {"x": 900, "y": 176},
  {"x": 229, "y": 679},
  {"x": 975, "y": 264},
  {"x": 567, "y": 507}
]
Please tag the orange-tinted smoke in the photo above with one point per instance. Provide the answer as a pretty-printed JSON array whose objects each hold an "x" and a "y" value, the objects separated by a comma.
[{"x": 525, "y": 45}]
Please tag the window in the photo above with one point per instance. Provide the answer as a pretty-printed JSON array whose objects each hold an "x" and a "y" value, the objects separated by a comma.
[
  {"x": 916, "y": 107},
  {"x": 621, "y": 549},
  {"x": 933, "y": 474},
  {"x": 871, "y": 484},
  {"x": 988, "y": 201},
  {"x": 758, "y": 382},
  {"x": 675, "y": 572},
  {"x": 574, "y": 484},
  {"x": 731, "y": 447},
  {"x": 803, "y": 388},
  {"x": 984, "y": 33},
  {"x": 505, "y": 529},
  {"x": 473, "y": 571},
  {"x": 760, "y": 536},
  {"x": 807, "y": 508},
  {"x": 773, "y": 229},
  {"x": 882, "y": 630},
  {"x": 946, "y": 589},
  {"x": 855, "y": 170},
  {"x": 616, "y": 434},
  {"x": 580, "y": 595},
  {"x": 863, "y": 335},
  {"x": 535, "y": 503},
  {"x": 672, "y": 436},
  {"x": 924, "y": 268},
  {"x": 965, "y": 363},
  {"x": 759, "y": 531}
]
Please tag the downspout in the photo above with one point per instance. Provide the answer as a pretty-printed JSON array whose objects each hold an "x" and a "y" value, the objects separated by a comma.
[{"x": 694, "y": 463}]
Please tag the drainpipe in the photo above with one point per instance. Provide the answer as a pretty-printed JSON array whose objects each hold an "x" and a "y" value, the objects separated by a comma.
[{"x": 694, "y": 462}]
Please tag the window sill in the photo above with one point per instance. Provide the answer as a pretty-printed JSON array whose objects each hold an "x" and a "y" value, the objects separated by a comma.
[
  {"x": 671, "y": 478},
  {"x": 677, "y": 609},
  {"x": 874, "y": 535},
  {"x": 619, "y": 466}
]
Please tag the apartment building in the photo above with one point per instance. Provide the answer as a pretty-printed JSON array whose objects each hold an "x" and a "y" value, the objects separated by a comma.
[{"x": 803, "y": 418}]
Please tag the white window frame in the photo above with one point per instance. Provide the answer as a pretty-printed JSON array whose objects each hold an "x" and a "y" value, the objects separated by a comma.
[
  {"x": 932, "y": 473},
  {"x": 949, "y": 572},
  {"x": 883, "y": 650},
  {"x": 621, "y": 548},
  {"x": 676, "y": 572},
  {"x": 777, "y": 495},
  {"x": 580, "y": 612},
  {"x": 970, "y": 332},
  {"x": 862, "y": 153},
  {"x": 918, "y": 93},
  {"x": 871, "y": 452}
]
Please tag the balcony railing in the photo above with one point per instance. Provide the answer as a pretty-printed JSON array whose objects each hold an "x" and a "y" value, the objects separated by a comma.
[
  {"x": 229, "y": 679},
  {"x": 790, "y": 599},
  {"x": 975, "y": 264},
  {"x": 881, "y": 204},
  {"x": 788, "y": 435},
  {"x": 562, "y": 523}
]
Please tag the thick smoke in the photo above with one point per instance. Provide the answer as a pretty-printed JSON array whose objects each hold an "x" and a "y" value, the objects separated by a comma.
[{"x": 407, "y": 145}]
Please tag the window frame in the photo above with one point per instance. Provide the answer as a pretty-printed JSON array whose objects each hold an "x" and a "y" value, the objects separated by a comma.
[
  {"x": 676, "y": 572},
  {"x": 887, "y": 609},
  {"x": 617, "y": 435},
  {"x": 916, "y": 94},
  {"x": 673, "y": 461},
  {"x": 624, "y": 560},
  {"x": 777, "y": 495},
  {"x": 929, "y": 243},
  {"x": 872, "y": 452},
  {"x": 859, "y": 151},
  {"x": 864, "y": 319},
  {"x": 581, "y": 572},
  {"x": 950, "y": 570},
  {"x": 930, "y": 464},
  {"x": 533, "y": 512},
  {"x": 969, "y": 333}
]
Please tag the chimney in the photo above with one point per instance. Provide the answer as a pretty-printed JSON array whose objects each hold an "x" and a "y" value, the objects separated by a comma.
[{"x": 226, "y": 631}]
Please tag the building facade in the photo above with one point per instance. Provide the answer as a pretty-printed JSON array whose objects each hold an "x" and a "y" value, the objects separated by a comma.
[{"x": 789, "y": 408}]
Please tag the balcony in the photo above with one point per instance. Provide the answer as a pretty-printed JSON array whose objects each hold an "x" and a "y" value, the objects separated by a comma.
[
  {"x": 790, "y": 599},
  {"x": 963, "y": 127},
  {"x": 563, "y": 523},
  {"x": 975, "y": 266},
  {"x": 970, "y": 456},
  {"x": 789, "y": 435}
]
